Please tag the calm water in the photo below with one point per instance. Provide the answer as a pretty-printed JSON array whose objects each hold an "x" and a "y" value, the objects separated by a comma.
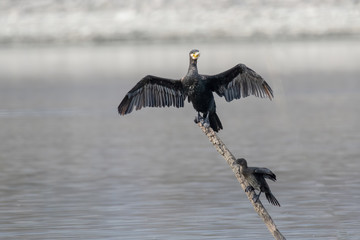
[{"x": 71, "y": 167}]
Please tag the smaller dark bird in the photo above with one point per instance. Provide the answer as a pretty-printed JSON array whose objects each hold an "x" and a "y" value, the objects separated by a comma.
[{"x": 256, "y": 178}]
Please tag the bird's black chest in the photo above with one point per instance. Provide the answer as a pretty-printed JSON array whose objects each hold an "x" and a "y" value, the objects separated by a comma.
[
  {"x": 199, "y": 94},
  {"x": 196, "y": 88}
]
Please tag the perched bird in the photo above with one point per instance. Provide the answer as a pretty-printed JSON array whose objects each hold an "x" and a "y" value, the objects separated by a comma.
[
  {"x": 256, "y": 178},
  {"x": 239, "y": 81}
]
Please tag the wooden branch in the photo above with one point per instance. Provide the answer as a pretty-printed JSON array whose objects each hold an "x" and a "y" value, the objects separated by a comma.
[{"x": 230, "y": 159}]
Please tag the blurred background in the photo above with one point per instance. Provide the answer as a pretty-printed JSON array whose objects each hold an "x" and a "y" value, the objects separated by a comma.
[
  {"x": 74, "y": 21},
  {"x": 71, "y": 167}
]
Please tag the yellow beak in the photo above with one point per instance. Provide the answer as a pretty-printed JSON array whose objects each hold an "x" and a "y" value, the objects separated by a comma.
[{"x": 195, "y": 55}]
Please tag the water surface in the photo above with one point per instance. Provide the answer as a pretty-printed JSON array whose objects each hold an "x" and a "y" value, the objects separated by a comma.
[{"x": 71, "y": 167}]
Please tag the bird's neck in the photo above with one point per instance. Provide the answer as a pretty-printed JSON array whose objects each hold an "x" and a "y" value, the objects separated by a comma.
[{"x": 193, "y": 67}]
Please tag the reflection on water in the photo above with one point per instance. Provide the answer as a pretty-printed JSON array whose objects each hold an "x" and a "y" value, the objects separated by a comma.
[{"x": 72, "y": 168}]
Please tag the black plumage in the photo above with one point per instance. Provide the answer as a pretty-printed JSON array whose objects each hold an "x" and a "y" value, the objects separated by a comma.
[
  {"x": 239, "y": 81},
  {"x": 256, "y": 178}
]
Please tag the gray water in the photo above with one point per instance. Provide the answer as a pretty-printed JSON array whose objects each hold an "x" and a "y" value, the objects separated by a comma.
[{"x": 71, "y": 167}]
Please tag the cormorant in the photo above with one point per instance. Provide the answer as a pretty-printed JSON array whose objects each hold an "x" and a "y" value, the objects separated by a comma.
[
  {"x": 256, "y": 178},
  {"x": 239, "y": 81}
]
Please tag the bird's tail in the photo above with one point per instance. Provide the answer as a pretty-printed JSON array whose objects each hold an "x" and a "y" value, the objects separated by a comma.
[
  {"x": 215, "y": 123},
  {"x": 271, "y": 198}
]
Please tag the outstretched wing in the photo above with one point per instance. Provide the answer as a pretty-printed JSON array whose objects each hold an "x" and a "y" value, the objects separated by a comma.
[
  {"x": 267, "y": 173},
  {"x": 239, "y": 81},
  {"x": 153, "y": 91}
]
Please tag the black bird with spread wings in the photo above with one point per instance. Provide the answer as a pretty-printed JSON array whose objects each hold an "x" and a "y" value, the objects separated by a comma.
[{"x": 239, "y": 81}]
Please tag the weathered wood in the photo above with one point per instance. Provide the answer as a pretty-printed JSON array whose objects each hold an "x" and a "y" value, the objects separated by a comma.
[{"x": 230, "y": 159}]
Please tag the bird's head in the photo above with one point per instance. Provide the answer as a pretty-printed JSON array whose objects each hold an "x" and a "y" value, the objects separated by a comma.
[
  {"x": 241, "y": 161},
  {"x": 194, "y": 54}
]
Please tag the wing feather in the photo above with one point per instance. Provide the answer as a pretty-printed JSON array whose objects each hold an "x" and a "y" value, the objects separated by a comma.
[
  {"x": 267, "y": 173},
  {"x": 239, "y": 81},
  {"x": 153, "y": 91}
]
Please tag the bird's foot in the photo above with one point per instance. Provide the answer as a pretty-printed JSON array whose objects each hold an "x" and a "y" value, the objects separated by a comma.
[
  {"x": 198, "y": 119},
  {"x": 206, "y": 121},
  {"x": 203, "y": 120},
  {"x": 256, "y": 197},
  {"x": 249, "y": 189}
]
